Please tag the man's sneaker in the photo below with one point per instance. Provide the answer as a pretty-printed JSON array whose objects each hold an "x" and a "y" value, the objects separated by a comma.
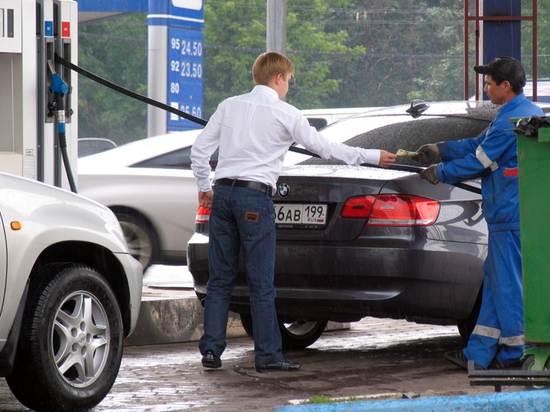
[{"x": 209, "y": 360}]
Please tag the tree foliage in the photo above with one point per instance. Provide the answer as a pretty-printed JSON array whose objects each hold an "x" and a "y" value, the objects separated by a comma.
[
  {"x": 237, "y": 30},
  {"x": 347, "y": 53},
  {"x": 404, "y": 41},
  {"x": 116, "y": 50}
]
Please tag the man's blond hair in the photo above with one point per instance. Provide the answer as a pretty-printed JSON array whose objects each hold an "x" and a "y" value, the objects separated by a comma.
[{"x": 269, "y": 65}]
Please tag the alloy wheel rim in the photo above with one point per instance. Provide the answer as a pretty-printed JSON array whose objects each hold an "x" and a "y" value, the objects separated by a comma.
[{"x": 80, "y": 339}]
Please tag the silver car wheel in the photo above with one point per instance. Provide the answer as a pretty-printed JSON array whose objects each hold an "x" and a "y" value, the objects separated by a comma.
[
  {"x": 294, "y": 334},
  {"x": 299, "y": 334},
  {"x": 80, "y": 339},
  {"x": 301, "y": 328},
  {"x": 71, "y": 340}
]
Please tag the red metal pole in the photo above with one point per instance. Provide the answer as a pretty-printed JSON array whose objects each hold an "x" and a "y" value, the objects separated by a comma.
[
  {"x": 477, "y": 18},
  {"x": 466, "y": 51},
  {"x": 478, "y": 36}
]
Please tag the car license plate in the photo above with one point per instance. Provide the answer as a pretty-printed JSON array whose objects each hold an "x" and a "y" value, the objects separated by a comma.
[{"x": 300, "y": 216}]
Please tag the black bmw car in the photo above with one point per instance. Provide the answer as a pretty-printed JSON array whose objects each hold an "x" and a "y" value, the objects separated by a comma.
[{"x": 365, "y": 241}]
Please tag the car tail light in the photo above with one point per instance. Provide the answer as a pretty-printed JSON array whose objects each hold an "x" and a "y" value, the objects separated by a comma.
[
  {"x": 392, "y": 210},
  {"x": 203, "y": 215},
  {"x": 358, "y": 207}
]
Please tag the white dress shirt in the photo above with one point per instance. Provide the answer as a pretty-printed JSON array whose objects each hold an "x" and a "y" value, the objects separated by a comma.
[{"x": 253, "y": 132}]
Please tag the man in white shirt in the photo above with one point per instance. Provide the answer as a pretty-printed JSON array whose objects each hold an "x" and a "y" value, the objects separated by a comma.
[{"x": 253, "y": 132}]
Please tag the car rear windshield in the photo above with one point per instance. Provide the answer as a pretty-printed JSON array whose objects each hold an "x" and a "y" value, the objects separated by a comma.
[{"x": 408, "y": 134}]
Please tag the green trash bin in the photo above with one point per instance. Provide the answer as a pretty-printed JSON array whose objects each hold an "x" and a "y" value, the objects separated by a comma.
[{"x": 534, "y": 199}]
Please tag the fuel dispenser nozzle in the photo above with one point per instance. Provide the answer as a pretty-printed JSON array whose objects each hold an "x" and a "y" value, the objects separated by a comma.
[
  {"x": 58, "y": 85},
  {"x": 56, "y": 106}
]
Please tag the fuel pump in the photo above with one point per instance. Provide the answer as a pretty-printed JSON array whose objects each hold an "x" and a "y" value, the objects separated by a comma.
[
  {"x": 32, "y": 32},
  {"x": 17, "y": 64}
]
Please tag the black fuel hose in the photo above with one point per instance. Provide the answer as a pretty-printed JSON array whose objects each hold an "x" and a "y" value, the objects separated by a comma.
[
  {"x": 203, "y": 122},
  {"x": 63, "y": 141},
  {"x": 127, "y": 92},
  {"x": 404, "y": 168}
]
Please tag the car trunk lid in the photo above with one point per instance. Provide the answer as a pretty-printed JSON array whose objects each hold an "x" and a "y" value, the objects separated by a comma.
[{"x": 309, "y": 200}]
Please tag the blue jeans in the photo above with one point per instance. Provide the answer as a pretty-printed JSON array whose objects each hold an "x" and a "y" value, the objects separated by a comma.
[{"x": 242, "y": 218}]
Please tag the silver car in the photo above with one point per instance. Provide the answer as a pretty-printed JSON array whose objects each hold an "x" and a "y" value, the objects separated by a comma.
[
  {"x": 150, "y": 187},
  {"x": 70, "y": 293}
]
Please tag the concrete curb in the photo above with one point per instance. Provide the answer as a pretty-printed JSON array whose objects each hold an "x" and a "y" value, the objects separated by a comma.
[
  {"x": 173, "y": 315},
  {"x": 532, "y": 401}
]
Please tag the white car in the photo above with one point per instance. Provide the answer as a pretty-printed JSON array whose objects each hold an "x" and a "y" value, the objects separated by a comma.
[
  {"x": 150, "y": 187},
  {"x": 70, "y": 292}
]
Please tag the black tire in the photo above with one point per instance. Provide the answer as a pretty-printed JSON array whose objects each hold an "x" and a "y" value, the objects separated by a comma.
[
  {"x": 466, "y": 326},
  {"x": 298, "y": 335},
  {"x": 71, "y": 342},
  {"x": 246, "y": 320},
  {"x": 295, "y": 335},
  {"x": 140, "y": 237}
]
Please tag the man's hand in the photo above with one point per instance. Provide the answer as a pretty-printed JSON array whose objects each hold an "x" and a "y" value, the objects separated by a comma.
[
  {"x": 386, "y": 159},
  {"x": 429, "y": 153},
  {"x": 205, "y": 199},
  {"x": 430, "y": 174}
]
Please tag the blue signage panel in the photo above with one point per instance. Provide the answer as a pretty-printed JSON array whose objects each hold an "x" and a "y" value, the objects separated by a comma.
[
  {"x": 180, "y": 13},
  {"x": 508, "y": 33},
  {"x": 185, "y": 76},
  {"x": 135, "y": 6},
  {"x": 184, "y": 20}
]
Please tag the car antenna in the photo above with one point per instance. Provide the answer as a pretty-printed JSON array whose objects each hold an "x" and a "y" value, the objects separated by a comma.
[{"x": 417, "y": 108}]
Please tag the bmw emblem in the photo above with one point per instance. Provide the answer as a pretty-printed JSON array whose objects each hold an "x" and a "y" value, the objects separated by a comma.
[{"x": 284, "y": 190}]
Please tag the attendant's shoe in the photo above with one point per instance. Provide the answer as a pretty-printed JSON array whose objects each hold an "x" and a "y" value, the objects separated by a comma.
[
  {"x": 282, "y": 365},
  {"x": 495, "y": 364},
  {"x": 209, "y": 360},
  {"x": 459, "y": 359}
]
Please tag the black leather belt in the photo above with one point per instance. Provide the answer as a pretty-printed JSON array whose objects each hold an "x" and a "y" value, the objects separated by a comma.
[{"x": 245, "y": 183}]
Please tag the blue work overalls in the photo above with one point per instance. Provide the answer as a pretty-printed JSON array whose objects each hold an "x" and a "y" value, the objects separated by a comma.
[{"x": 499, "y": 332}]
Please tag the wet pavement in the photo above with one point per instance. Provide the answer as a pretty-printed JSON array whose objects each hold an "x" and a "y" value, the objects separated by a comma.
[
  {"x": 391, "y": 358},
  {"x": 374, "y": 356}
]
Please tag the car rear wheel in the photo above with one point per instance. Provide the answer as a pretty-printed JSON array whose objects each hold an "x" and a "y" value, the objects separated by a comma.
[
  {"x": 71, "y": 341},
  {"x": 140, "y": 237},
  {"x": 295, "y": 334},
  {"x": 466, "y": 326}
]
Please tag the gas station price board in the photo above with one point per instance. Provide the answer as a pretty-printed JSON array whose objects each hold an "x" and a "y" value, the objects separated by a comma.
[{"x": 185, "y": 76}]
